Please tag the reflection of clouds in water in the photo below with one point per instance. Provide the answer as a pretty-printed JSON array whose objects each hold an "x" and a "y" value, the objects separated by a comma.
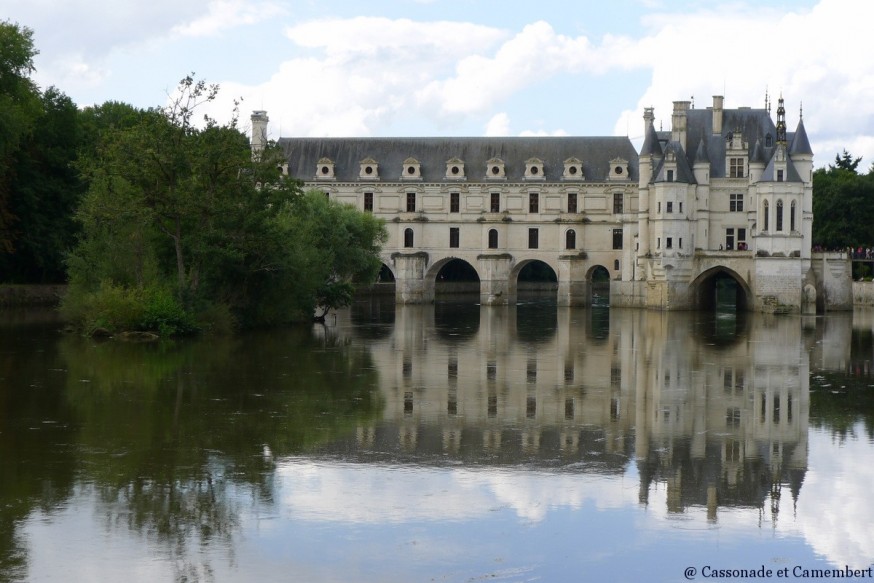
[
  {"x": 835, "y": 512},
  {"x": 393, "y": 494}
]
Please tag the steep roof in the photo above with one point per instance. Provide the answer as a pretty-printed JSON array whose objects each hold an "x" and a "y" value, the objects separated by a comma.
[
  {"x": 754, "y": 124},
  {"x": 800, "y": 144},
  {"x": 684, "y": 170},
  {"x": 595, "y": 153}
]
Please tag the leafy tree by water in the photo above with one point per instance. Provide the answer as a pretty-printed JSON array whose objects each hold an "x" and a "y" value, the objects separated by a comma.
[
  {"x": 19, "y": 109},
  {"x": 45, "y": 189},
  {"x": 198, "y": 231},
  {"x": 843, "y": 205}
]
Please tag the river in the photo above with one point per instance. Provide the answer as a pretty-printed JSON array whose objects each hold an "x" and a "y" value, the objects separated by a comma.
[{"x": 450, "y": 442}]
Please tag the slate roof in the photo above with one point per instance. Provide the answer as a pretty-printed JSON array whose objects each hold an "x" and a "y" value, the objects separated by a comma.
[
  {"x": 595, "y": 153},
  {"x": 755, "y": 125}
]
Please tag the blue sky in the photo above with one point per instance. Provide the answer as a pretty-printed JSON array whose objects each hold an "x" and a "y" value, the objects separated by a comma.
[{"x": 469, "y": 67}]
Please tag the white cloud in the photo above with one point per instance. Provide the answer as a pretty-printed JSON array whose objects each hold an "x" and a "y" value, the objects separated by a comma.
[
  {"x": 225, "y": 14},
  {"x": 498, "y": 125},
  {"x": 814, "y": 56}
]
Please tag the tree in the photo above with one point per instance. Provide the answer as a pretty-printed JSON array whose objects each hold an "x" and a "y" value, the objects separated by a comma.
[
  {"x": 199, "y": 226},
  {"x": 846, "y": 162},
  {"x": 843, "y": 205},
  {"x": 342, "y": 245},
  {"x": 45, "y": 189},
  {"x": 19, "y": 108}
]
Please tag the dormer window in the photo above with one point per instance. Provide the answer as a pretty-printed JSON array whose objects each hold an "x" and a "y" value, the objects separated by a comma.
[
  {"x": 325, "y": 169},
  {"x": 619, "y": 169},
  {"x": 495, "y": 169},
  {"x": 412, "y": 170},
  {"x": 369, "y": 169},
  {"x": 455, "y": 169},
  {"x": 534, "y": 169},
  {"x": 573, "y": 169}
]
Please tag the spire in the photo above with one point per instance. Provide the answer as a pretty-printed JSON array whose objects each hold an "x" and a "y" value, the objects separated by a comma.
[
  {"x": 781, "y": 122},
  {"x": 800, "y": 143}
]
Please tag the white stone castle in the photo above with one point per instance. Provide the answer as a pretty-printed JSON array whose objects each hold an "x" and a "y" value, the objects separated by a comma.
[{"x": 725, "y": 194}]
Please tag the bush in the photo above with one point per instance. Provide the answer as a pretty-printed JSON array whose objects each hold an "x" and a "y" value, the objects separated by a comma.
[{"x": 116, "y": 308}]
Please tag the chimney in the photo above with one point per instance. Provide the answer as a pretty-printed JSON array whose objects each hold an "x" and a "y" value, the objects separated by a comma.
[
  {"x": 259, "y": 131},
  {"x": 678, "y": 122},
  {"x": 717, "y": 115}
]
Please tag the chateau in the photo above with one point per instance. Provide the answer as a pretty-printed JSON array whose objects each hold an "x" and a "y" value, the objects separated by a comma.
[{"x": 726, "y": 194}]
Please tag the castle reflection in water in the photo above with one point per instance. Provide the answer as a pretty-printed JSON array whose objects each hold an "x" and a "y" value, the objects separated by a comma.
[{"x": 711, "y": 407}]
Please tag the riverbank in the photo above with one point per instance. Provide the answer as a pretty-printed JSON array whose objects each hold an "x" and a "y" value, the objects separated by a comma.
[{"x": 31, "y": 295}]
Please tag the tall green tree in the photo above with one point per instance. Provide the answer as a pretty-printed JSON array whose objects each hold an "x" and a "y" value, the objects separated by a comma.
[
  {"x": 843, "y": 205},
  {"x": 182, "y": 219},
  {"x": 19, "y": 109},
  {"x": 45, "y": 188}
]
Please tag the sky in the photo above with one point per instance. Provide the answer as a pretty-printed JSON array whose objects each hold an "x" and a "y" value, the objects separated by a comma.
[{"x": 469, "y": 67}]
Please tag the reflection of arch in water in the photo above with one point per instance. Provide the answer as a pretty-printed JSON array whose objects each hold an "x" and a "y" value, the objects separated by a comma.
[
  {"x": 453, "y": 275},
  {"x": 456, "y": 321},
  {"x": 536, "y": 322},
  {"x": 720, "y": 329},
  {"x": 598, "y": 280},
  {"x": 534, "y": 278},
  {"x": 721, "y": 288}
]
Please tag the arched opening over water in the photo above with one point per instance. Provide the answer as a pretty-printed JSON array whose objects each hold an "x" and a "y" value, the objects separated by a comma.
[
  {"x": 722, "y": 290},
  {"x": 454, "y": 276},
  {"x": 536, "y": 280},
  {"x": 599, "y": 286}
]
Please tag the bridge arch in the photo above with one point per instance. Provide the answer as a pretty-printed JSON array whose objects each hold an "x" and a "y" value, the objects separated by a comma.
[
  {"x": 719, "y": 285},
  {"x": 452, "y": 275},
  {"x": 598, "y": 284},
  {"x": 536, "y": 275}
]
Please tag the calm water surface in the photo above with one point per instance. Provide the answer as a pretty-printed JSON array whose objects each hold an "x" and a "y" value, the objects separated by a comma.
[{"x": 441, "y": 443}]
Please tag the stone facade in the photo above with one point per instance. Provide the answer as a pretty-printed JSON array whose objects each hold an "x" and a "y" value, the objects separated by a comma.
[{"x": 724, "y": 194}]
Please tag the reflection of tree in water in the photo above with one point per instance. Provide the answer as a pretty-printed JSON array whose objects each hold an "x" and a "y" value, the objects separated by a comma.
[
  {"x": 176, "y": 436},
  {"x": 36, "y": 431},
  {"x": 841, "y": 403}
]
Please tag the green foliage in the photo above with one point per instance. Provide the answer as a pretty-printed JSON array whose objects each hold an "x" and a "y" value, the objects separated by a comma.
[
  {"x": 19, "y": 109},
  {"x": 339, "y": 245},
  {"x": 843, "y": 205},
  {"x": 231, "y": 236}
]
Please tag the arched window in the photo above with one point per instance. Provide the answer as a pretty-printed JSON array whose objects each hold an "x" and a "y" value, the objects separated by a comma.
[
  {"x": 493, "y": 238},
  {"x": 765, "y": 211},
  {"x": 570, "y": 239},
  {"x": 779, "y": 215},
  {"x": 792, "y": 216},
  {"x": 408, "y": 237}
]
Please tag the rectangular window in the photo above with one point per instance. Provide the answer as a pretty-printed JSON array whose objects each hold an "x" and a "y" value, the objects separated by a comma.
[
  {"x": 572, "y": 202},
  {"x": 669, "y": 243},
  {"x": 736, "y": 203},
  {"x": 454, "y": 202},
  {"x": 454, "y": 237},
  {"x": 618, "y": 203},
  {"x": 736, "y": 168},
  {"x": 659, "y": 207},
  {"x": 533, "y": 238},
  {"x": 779, "y": 176},
  {"x": 680, "y": 243},
  {"x": 681, "y": 207},
  {"x": 496, "y": 202},
  {"x": 670, "y": 176},
  {"x": 669, "y": 207},
  {"x": 729, "y": 239},
  {"x": 533, "y": 202},
  {"x": 368, "y": 202},
  {"x": 742, "y": 239},
  {"x": 617, "y": 238},
  {"x": 411, "y": 202}
]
